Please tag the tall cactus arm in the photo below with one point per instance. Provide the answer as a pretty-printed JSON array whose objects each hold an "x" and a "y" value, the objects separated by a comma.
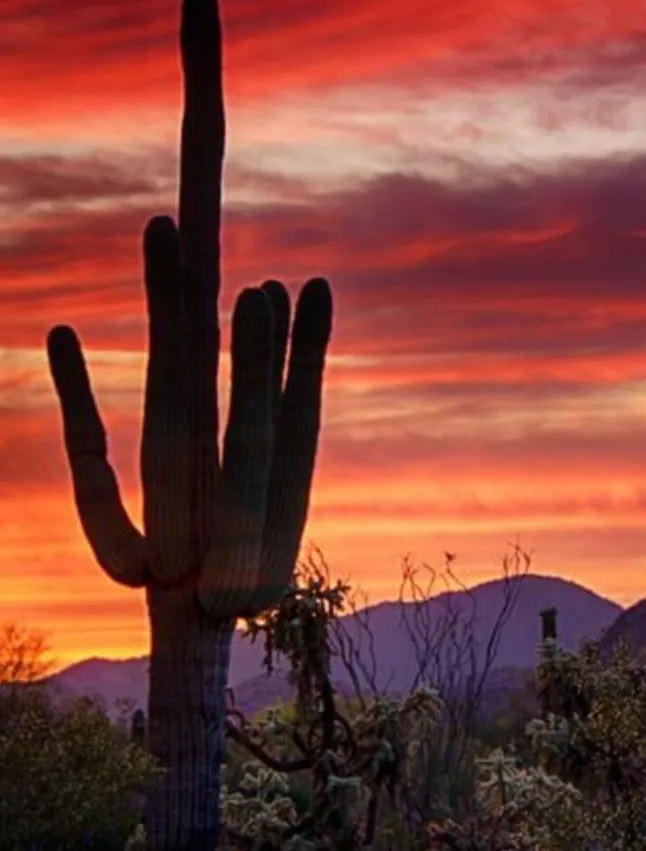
[
  {"x": 279, "y": 298},
  {"x": 165, "y": 448},
  {"x": 229, "y": 574},
  {"x": 202, "y": 152},
  {"x": 295, "y": 445},
  {"x": 118, "y": 546}
]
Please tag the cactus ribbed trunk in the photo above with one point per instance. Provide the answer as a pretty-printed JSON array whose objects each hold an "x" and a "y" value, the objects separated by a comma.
[{"x": 189, "y": 666}]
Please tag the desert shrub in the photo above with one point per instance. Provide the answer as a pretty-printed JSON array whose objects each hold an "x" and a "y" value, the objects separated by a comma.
[
  {"x": 577, "y": 780},
  {"x": 338, "y": 772},
  {"x": 506, "y": 728},
  {"x": 594, "y": 736},
  {"x": 70, "y": 778},
  {"x": 348, "y": 757},
  {"x": 586, "y": 785},
  {"x": 375, "y": 770},
  {"x": 514, "y": 809},
  {"x": 451, "y": 655}
]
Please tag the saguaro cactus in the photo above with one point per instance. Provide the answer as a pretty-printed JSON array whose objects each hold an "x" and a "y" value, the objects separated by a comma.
[{"x": 221, "y": 534}]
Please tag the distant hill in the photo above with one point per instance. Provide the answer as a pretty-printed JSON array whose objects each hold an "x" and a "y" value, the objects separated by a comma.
[
  {"x": 630, "y": 625},
  {"x": 581, "y": 614}
]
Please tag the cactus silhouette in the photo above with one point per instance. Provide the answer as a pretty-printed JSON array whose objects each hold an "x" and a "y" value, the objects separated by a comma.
[
  {"x": 138, "y": 727},
  {"x": 221, "y": 531}
]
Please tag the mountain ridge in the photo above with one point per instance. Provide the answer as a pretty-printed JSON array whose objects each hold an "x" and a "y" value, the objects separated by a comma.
[{"x": 582, "y": 613}]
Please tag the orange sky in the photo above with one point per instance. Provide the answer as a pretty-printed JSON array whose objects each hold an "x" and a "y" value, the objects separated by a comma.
[{"x": 471, "y": 176}]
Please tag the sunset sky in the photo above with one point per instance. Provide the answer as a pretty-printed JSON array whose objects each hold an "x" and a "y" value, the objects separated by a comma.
[{"x": 471, "y": 177}]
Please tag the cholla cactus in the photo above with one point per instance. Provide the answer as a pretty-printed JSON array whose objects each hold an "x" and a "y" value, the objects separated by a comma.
[
  {"x": 350, "y": 761},
  {"x": 221, "y": 531},
  {"x": 137, "y": 840},
  {"x": 588, "y": 785},
  {"x": 261, "y": 809}
]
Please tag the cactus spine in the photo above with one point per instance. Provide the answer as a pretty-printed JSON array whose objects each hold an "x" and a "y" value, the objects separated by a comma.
[{"x": 221, "y": 533}]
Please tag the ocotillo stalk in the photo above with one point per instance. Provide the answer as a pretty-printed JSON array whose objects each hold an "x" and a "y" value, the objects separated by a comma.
[{"x": 221, "y": 534}]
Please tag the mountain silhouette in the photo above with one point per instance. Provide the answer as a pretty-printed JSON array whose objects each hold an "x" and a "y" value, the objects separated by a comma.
[
  {"x": 629, "y": 625},
  {"x": 581, "y": 614}
]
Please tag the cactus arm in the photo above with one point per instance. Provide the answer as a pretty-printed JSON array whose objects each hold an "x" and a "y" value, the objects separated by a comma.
[
  {"x": 295, "y": 445},
  {"x": 164, "y": 447},
  {"x": 230, "y": 569},
  {"x": 279, "y": 299},
  {"x": 118, "y": 546},
  {"x": 202, "y": 152}
]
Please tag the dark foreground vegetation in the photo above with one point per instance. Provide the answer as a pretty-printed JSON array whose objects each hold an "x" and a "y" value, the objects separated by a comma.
[{"x": 427, "y": 770}]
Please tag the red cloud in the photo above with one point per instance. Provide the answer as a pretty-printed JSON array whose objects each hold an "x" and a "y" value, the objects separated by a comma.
[
  {"x": 420, "y": 267},
  {"x": 59, "y": 58}
]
